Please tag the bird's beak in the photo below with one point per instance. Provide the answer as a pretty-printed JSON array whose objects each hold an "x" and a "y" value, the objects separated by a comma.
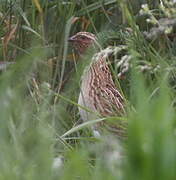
[{"x": 71, "y": 39}]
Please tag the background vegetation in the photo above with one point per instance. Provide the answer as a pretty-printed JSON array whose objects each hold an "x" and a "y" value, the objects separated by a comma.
[{"x": 38, "y": 90}]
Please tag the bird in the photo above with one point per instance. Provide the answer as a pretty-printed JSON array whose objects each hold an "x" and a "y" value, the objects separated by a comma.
[{"x": 98, "y": 95}]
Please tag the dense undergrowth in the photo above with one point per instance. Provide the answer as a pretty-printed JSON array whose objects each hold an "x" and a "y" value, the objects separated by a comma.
[{"x": 38, "y": 92}]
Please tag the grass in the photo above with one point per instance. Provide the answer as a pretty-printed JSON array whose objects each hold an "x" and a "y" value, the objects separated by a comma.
[{"x": 38, "y": 94}]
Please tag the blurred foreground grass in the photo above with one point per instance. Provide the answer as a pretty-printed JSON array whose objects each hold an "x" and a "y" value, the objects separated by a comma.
[{"x": 38, "y": 94}]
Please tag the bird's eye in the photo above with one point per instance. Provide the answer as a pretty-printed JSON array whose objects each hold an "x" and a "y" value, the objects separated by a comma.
[{"x": 83, "y": 37}]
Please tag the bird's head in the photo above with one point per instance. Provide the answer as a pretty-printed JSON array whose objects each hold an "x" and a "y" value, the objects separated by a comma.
[{"x": 82, "y": 40}]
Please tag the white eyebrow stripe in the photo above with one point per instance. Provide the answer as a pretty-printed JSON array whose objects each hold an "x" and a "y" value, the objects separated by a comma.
[{"x": 87, "y": 34}]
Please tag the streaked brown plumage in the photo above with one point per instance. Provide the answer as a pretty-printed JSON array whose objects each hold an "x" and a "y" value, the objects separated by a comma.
[{"x": 98, "y": 91}]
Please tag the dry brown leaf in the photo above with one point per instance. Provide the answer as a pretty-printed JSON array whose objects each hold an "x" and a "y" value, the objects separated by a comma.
[
  {"x": 75, "y": 19},
  {"x": 6, "y": 39},
  {"x": 85, "y": 23}
]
